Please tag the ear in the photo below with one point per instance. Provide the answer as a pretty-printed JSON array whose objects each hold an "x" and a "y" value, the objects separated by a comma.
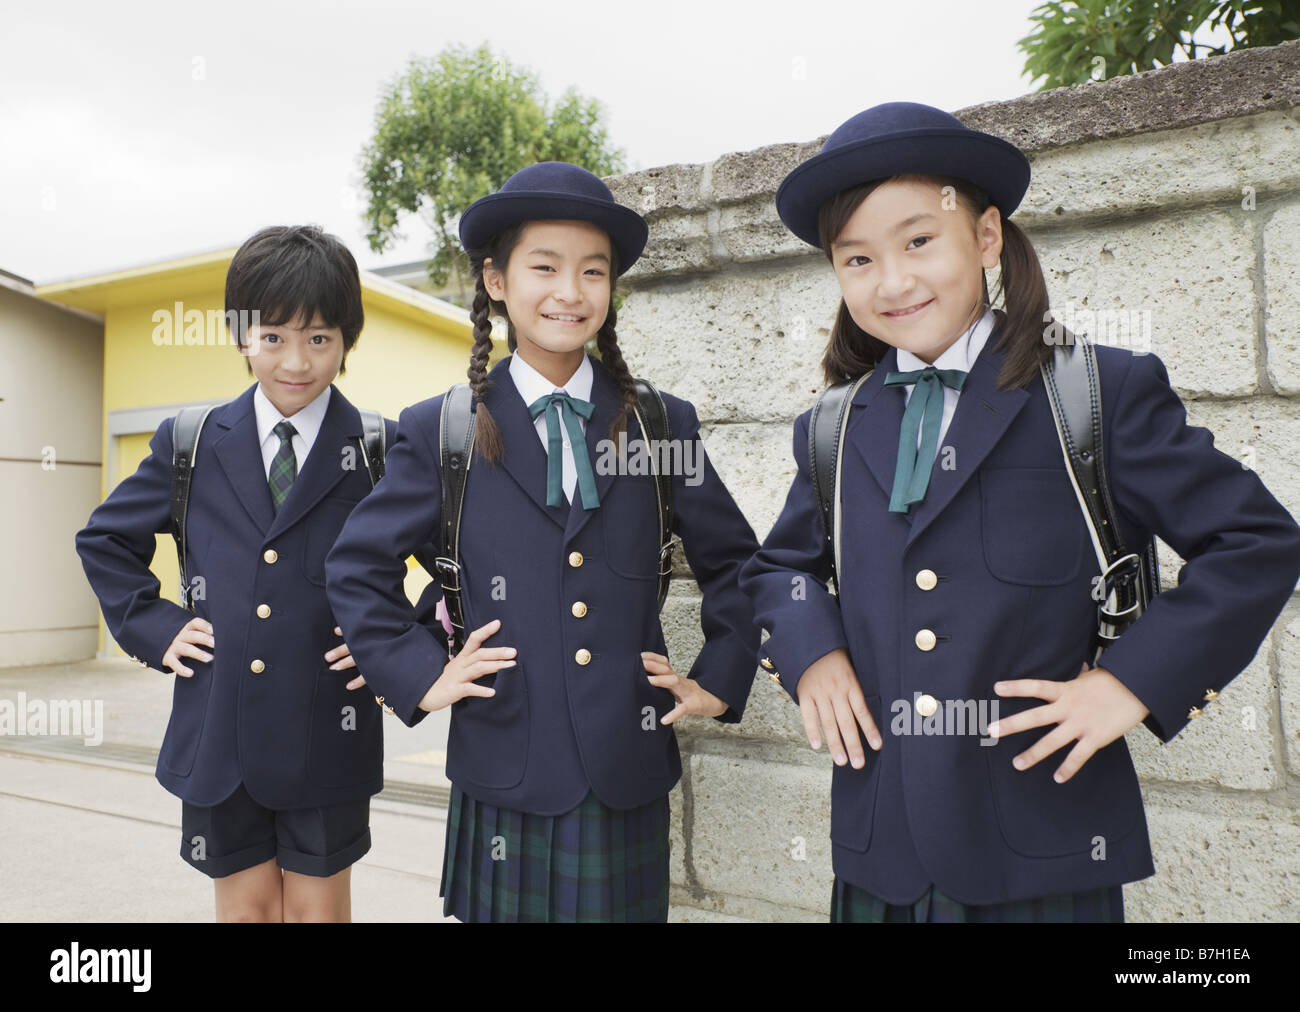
[
  {"x": 988, "y": 233},
  {"x": 493, "y": 281}
]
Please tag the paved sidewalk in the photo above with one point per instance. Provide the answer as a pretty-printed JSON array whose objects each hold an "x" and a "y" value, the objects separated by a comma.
[{"x": 91, "y": 836}]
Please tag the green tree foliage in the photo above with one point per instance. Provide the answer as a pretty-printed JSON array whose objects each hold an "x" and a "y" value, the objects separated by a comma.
[
  {"x": 1094, "y": 39},
  {"x": 451, "y": 129}
]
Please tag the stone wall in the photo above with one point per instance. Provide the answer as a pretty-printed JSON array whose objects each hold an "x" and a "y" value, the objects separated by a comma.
[{"x": 1174, "y": 193}]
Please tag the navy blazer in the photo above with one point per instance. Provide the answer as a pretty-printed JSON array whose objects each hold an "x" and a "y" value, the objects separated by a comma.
[
  {"x": 267, "y": 710},
  {"x": 997, "y": 564},
  {"x": 561, "y": 723}
]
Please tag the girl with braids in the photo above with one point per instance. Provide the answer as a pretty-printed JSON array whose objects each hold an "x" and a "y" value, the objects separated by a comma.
[
  {"x": 561, "y": 751},
  {"x": 964, "y": 562}
]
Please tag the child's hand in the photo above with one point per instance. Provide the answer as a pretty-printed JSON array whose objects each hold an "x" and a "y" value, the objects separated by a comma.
[
  {"x": 829, "y": 694},
  {"x": 186, "y": 644},
  {"x": 474, "y": 661},
  {"x": 690, "y": 696},
  {"x": 342, "y": 657},
  {"x": 1095, "y": 707}
]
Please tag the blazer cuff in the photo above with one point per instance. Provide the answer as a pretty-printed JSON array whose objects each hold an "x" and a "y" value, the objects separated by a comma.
[
  {"x": 815, "y": 633},
  {"x": 727, "y": 673}
]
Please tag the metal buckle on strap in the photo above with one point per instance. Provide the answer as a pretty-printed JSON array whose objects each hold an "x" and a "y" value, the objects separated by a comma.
[
  {"x": 448, "y": 573},
  {"x": 666, "y": 555}
]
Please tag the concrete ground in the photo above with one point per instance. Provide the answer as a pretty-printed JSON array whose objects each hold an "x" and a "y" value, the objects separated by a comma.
[{"x": 91, "y": 836}]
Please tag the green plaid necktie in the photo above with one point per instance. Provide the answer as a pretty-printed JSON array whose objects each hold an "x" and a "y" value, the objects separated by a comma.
[
  {"x": 284, "y": 465},
  {"x": 570, "y": 408},
  {"x": 924, "y": 414}
]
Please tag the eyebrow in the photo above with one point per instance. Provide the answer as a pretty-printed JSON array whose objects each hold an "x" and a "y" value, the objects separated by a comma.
[
  {"x": 893, "y": 231},
  {"x": 539, "y": 251}
]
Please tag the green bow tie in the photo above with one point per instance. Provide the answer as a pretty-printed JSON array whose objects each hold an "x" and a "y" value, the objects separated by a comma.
[
  {"x": 925, "y": 413},
  {"x": 570, "y": 408}
]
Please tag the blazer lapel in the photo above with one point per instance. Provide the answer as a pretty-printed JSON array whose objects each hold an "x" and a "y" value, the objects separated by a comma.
[
  {"x": 240, "y": 455},
  {"x": 606, "y": 398},
  {"x": 983, "y": 414},
  {"x": 524, "y": 456},
  {"x": 875, "y": 421},
  {"x": 324, "y": 466}
]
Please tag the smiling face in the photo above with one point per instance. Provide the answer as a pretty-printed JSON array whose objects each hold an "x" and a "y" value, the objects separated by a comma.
[
  {"x": 556, "y": 289},
  {"x": 909, "y": 264},
  {"x": 294, "y": 363}
]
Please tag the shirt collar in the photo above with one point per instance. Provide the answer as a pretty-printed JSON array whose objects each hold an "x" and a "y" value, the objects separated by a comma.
[
  {"x": 531, "y": 384},
  {"x": 306, "y": 420},
  {"x": 961, "y": 354}
]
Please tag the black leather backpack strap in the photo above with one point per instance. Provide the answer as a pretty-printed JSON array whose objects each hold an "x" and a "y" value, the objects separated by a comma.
[
  {"x": 826, "y": 427},
  {"x": 456, "y": 438},
  {"x": 1128, "y": 579},
  {"x": 185, "y": 442},
  {"x": 652, "y": 415},
  {"x": 374, "y": 441}
]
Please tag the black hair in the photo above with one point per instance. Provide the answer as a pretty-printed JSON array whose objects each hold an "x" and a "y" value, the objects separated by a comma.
[
  {"x": 851, "y": 351},
  {"x": 487, "y": 435},
  {"x": 287, "y": 272}
]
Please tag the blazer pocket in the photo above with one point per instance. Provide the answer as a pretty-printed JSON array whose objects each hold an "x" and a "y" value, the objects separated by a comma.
[
  {"x": 490, "y": 734},
  {"x": 322, "y": 524},
  {"x": 1040, "y": 818},
  {"x": 853, "y": 793},
  {"x": 630, "y": 515},
  {"x": 346, "y": 744},
  {"x": 1033, "y": 529},
  {"x": 189, "y": 710}
]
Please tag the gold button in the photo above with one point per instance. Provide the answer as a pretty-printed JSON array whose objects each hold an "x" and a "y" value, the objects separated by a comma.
[
  {"x": 767, "y": 663},
  {"x": 773, "y": 675},
  {"x": 263, "y": 611},
  {"x": 1211, "y": 695},
  {"x": 926, "y": 579},
  {"x": 257, "y": 667},
  {"x": 583, "y": 656},
  {"x": 927, "y": 706},
  {"x": 579, "y": 609},
  {"x": 925, "y": 639},
  {"x": 270, "y": 555},
  {"x": 1193, "y": 712},
  {"x": 575, "y": 559}
]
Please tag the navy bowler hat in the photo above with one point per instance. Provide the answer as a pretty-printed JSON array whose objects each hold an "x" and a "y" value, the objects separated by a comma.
[
  {"x": 894, "y": 139},
  {"x": 555, "y": 191}
]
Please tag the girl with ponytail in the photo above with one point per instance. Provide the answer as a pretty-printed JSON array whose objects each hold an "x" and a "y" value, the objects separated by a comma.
[
  {"x": 561, "y": 752},
  {"x": 959, "y": 642}
]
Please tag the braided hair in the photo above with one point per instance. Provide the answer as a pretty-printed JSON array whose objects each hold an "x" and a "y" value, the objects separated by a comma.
[{"x": 487, "y": 434}]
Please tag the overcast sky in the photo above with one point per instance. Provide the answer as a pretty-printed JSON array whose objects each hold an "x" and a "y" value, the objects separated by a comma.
[{"x": 134, "y": 132}]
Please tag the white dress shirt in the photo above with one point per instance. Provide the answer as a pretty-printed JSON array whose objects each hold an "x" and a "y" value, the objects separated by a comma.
[
  {"x": 531, "y": 385},
  {"x": 307, "y": 420},
  {"x": 960, "y": 355}
]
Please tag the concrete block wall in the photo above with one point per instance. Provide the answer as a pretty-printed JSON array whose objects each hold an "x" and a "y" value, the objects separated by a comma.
[{"x": 1172, "y": 197}]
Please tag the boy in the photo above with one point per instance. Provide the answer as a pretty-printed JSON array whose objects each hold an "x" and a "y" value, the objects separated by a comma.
[{"x": 272, "y": 754}]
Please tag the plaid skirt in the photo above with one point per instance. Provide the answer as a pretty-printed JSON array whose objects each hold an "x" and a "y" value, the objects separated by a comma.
[
  {"x": 591, "y": 864},
  {"x": 849, "y": 904}
]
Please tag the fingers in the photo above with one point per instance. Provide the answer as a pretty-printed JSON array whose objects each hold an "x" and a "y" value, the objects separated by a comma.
[
  {"x": 831, "y": 729},
  {"x": 680, "y": 710},
  {"x": 848, "y": 728},
  {"x": 858, "y": 703},
  {"x": 1037, "y": 716},
  {"x": 1039, "y": 688},
  {"x": 199, "y": 625},
  {"x": 1079, "y": 755},
  {"x": 187, "y": 649},
  {"x": 808, "y": 710},
  {"x": 657, "y": 664},
  {"x": 170, "y": 660},
  {"x": 347, "y": 662},
  {"x": 475, "y": 639},
  {"x": 357, "y": 682},
  {"x": 477, "y": 669},
  {"x": 474, "y": 689},
  {"x": 1044, "y": 747}
]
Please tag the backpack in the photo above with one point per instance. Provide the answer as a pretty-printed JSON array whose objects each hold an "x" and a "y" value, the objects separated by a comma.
[
  {"x": 185, "y": 441},
  {"x": 456, "y": 427},
  {"x": 1128, "y": 580}
]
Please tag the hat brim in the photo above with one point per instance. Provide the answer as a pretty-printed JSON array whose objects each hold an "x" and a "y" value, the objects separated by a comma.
[
  {"x": 998, "y": 168},
  {"x": 498, "y": 211}
]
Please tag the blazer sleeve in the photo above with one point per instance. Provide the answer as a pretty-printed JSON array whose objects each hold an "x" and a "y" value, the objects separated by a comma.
[
  {"x": 116, "y": 547},
  {"x": 717, "y": 540},
  {"x": 426, "y": 608},
  {"x": 1242, "y": 551},
  {"x": 365, "y": 571},
  {"x": 786, "y": 580}
]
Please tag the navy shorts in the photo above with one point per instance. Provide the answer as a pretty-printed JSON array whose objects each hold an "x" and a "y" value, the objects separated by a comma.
[{"x": 238, "y": 834}]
